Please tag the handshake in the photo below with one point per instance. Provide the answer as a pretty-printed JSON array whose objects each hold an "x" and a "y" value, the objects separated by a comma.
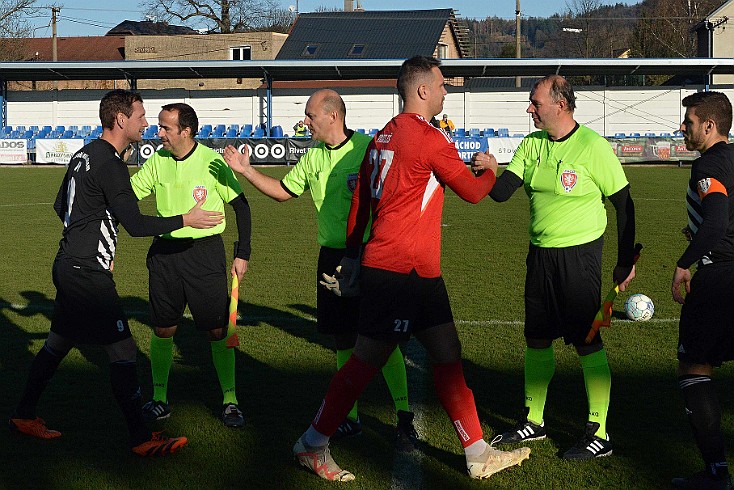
[{"x": 345, "y": 281}]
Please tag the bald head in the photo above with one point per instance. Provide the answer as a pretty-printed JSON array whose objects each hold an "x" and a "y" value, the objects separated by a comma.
[{"x": 325, "y": 117}]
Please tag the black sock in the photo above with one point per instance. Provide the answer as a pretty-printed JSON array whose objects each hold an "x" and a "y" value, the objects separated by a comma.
[
  {"x": 43, "y": 367},
  {"x": 704, "y": 415},
  {"x": 125, "y": 386}
]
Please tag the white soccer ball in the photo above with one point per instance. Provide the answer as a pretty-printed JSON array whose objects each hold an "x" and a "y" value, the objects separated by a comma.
[{"x": 639, "y": 308}]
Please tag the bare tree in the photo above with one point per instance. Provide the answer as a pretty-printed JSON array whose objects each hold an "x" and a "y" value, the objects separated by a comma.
[
  {"x": 14, "y": 24},
  {"x": 223, "y": 16},
  {"x": 664, "y": 29}
]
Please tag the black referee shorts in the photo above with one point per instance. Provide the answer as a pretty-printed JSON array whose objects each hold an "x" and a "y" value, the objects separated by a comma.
[
  {"x": 706, "y": 329},
  {"x": 334, "y": 314},
  {"x": 563, "y": 292},
  {"x": 192, "y": 272},
  {"x": 394, "y": 306},
  {"x": 87, "y": 308}
]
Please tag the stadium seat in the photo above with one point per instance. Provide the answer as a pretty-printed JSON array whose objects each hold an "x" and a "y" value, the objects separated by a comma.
[
  {"x": 460, "y": 132},
  {"x": 489, "y": 132},
  {"x": 60, "y": 129},
  {"x": 503, "y": 133},
  {"x": 67, "y": 134},
  {"x": 246, "y": 131},
  {"x": 665, "y": 135},
  {"x": 650, "y": 135},
  {"x": 206, "y": 127},
  {"x": 634, "y": 135},
  {"x": 620, "y": 135},
  {"x": 258, "y": 132},
  {"x": 474, "y": 132},
  {"x": 153, "y": 127},
  {"x": 373, "y": 131},
  {"x": 361, "y": 130},
  {"x": 276, "y": 132},
  {"x": 231, "y": 133},
  {"x": 205, "y": 131},
  {"x": 47, "y": 129},
  {"x": 236, "y": 127},
  {"x": 220, "y": 128},
  {"x": 218, "y": 131}
]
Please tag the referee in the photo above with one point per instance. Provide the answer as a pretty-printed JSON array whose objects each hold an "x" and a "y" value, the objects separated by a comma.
[
  {"x": 190, "y": 266},
  {"x": 566, "y": 170}
]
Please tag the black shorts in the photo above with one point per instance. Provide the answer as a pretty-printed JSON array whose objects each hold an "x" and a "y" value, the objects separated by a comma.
[
  {"x": 334, "y": 314},
  {"x": 394, "y": 305},
  {"x": 87, "y": 308},
  {"x": 192, "y": 272},
  {"x": 706, "y": 330},
  {"x": 563, "y": 292}
]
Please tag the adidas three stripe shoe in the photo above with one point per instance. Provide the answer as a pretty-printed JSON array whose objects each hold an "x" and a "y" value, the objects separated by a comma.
[
  {"x": 590, "y": 446},
  {"x": 523, "y": 431}
]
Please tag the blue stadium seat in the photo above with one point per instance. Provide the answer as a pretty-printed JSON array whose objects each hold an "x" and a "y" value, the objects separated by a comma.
[
  {"x": 47, "y": 129},
  {"x": 361, "y": 130},
  {"x": 373, "y": 131},
  {"x": 205, "y": 132},
  {"x": 634, "y": 135},
  {"x": 460, "y": 132},
  {"x": 276, "y": 132},
  {"x": 218, "y": 132},
  {"x": 60, "y": 129},
  {"x": 474, "y": 132},
  {"x": 205, "y": 127},
  {"x": 489, "y": 132},
  {"x": 236, "y": 127},
  {"x": 67, "y": 134},
  {"x": 665, "y": 135},
  {"x": 650, "y": 135},
  {"x": 153, "y": 127},
  {"x": 33, "y": 128},
  {"x": 246, "y": 130},
  {"x": 231, "y": 133},
  {"x": 258, "y": 132},
  {"x": 503, "y": 133},
  {"x": 620, "y": 135},
  {"x": 20, "y": 129}
]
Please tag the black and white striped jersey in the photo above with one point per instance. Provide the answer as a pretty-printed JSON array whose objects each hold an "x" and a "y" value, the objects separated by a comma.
[
  {"x": 94, "y": 196},
  {"x": 711, "y": 219}
]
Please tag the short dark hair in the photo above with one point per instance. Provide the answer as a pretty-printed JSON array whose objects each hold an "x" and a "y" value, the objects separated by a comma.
[
  {"x": 412, "y": 70},
  {"x": 116, "y": 102},
  {"x": 187, "y": 117},
  {"x": 711, "y": 105},
  {"x": 559, "y": 89}
]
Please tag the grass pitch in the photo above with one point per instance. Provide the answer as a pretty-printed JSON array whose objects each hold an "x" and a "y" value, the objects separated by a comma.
[{"x": 284, "y": 366}]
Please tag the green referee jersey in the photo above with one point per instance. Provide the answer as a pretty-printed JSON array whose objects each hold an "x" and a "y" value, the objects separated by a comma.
[
  {"x": 565, "y": 181},
  {"x": 331, "y": 174},
  {"x": 178, "y": 185}
]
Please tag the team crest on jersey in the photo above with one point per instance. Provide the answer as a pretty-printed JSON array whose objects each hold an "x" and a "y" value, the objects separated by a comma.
[
  {"x": 703, "y": 185},
  {"x": 352, "y": 182},
  {"x": 568, "y": 180},
  {"x": 199, "y": 193}
]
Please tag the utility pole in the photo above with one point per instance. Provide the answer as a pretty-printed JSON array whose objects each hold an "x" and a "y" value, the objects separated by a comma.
[
  {"x": 518, "y": 80},
  {"x": 54, "y": 40}
]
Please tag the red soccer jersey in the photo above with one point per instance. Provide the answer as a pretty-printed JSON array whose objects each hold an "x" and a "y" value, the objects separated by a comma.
[{"x": 402, "y": 176}]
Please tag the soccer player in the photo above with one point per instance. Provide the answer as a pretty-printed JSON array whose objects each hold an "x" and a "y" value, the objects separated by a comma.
[
  {"x": 706, "y": 331},
  {"x": 94, "y": 197},
  {"x": 401, "y": 185},
  {"x": 566, "y": 169},
  {"x": 190, "y": 266},
  {"x": 330, "y": 171}
]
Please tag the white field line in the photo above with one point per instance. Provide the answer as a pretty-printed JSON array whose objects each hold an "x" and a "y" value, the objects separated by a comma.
[
  {"x": 310, "y": 319},
  {"x": 407, "y": 472}
]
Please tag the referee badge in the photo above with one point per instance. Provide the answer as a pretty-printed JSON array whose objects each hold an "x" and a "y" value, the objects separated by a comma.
[
  {"x": 352, "y": 182},
  {"x": 568, "y": 180},
  {"x": 199, "y": 193}
]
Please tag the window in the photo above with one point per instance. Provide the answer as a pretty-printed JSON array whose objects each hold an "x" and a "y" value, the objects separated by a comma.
[
  {"x": 442, "y": 51},
  {"x": 357, "y": 50},
  {"x": 310, "y": 50},
  {"x": 240, "y": 53}
]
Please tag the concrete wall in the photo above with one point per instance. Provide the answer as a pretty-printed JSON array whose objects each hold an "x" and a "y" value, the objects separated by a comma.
[{"x": 606, "y": 110}]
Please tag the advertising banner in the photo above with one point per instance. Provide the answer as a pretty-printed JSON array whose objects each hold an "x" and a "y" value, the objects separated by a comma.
[
  {"x": 13, "y": 151},
  {"x": 271, "y": 151},
  {"x": 57, "y": 151}
]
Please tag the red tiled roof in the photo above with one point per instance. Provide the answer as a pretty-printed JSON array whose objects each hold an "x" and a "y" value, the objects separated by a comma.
[{"x": 92, "y": 48}]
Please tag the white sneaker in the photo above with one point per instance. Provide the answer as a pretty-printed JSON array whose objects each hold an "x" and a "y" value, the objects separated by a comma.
[
  {"x": 318, "y": 459},
  {"x": 493, "y": 460}
]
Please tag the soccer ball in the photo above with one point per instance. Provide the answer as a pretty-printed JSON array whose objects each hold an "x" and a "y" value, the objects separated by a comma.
[{"x": 639, "y": 308}]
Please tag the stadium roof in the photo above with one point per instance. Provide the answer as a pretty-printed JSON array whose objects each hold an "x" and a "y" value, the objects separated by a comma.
[{"x": 288, "y": 70}]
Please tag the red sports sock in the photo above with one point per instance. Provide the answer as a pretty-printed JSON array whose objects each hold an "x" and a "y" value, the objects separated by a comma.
[
  {"x": 458, "y": 401},
  {"x": 345, "y": 388}
]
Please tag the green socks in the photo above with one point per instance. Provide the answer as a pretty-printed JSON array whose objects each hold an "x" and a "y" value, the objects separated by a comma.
[
  {"x": 598, "y": 381},
  {"x": 397, "y": 381},
  {"x": 540, "y": 365},
  {"x": 342, "y": 356},
  {"x": 395, "y": 377},
  {"x": 161, "y": 358},
  {"x": 223, "y": 358}
]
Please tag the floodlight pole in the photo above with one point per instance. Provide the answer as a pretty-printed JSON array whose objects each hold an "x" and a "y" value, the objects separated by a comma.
[{"x": 518, "y": 80}]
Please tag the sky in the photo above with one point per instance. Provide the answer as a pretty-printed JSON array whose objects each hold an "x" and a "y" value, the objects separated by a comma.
[{"x": 96, "y": 17}]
